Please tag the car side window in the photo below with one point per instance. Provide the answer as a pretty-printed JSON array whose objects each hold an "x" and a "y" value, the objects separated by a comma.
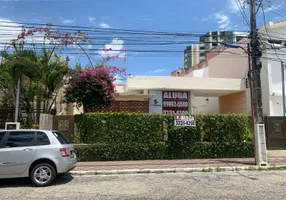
[
  {"x": 2, "y": 134},
  {"x": 42, "y": 139},
  {"x": 20, "y": 139}
]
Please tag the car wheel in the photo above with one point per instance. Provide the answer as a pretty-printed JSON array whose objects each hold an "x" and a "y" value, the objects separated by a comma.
[{"x": 43, "y": 174}]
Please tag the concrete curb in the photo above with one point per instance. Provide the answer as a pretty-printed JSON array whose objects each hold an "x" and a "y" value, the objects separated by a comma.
[{"x": 176, "y": 170}]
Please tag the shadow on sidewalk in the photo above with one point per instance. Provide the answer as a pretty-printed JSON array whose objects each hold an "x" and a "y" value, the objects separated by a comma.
[{"x": 229, "y": 162}]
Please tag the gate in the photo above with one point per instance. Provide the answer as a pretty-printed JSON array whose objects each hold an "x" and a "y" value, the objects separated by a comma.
[
  {"x": 275, "y": 128},
  {"x": 65, "y": 124}
]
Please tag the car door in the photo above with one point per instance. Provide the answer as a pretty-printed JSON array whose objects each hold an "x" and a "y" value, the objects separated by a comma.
[
  {"x": 2, "y": 137},
  {"x": 18, "y": 152}
]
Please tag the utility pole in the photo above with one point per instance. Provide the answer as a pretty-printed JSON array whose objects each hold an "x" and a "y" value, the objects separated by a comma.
[{"x": 259, "y": 129}]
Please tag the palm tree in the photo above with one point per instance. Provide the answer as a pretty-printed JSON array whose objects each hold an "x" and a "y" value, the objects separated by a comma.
[
  {"x": 38, "y": 77},
  {"x": 53, "y": 68},
  {"x": 15, "y": 68}
]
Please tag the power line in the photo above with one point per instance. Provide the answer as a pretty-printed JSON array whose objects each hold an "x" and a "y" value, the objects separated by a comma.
[
  {"x": 103, "y": 30},
  {"x": 243, "y": 14},
  {"x": 266, "y": 29}
]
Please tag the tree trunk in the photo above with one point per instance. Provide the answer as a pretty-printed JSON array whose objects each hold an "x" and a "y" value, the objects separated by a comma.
[{"x": 38, "y": 107}]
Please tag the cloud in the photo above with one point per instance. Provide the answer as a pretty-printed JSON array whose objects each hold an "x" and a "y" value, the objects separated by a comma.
[
  {"x": 103, "y": 25},
  {"x": 116, "y": 46},
  {"x": 66, "y": 21},
  {"x": 156, "y": 71},
  {"x": 223, "y": 20},
  {"x": 9, "y": 31},
  {"x": 92, "y": 20},
  {"x": 235, "y": 5},
  {"x": 271, "y": 8}
]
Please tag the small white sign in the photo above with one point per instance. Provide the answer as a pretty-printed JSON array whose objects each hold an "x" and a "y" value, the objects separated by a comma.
[
  {"x": 181, "y": 120},
  {"x": 155, "y": 103}
]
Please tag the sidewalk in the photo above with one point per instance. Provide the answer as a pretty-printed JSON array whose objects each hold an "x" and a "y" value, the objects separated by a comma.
[
  {"x": 173, "y": 166},
  {"x": 164, "y": 164}
]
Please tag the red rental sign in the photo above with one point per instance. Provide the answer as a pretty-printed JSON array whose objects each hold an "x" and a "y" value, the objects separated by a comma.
[{"x": 175, "y": 102}]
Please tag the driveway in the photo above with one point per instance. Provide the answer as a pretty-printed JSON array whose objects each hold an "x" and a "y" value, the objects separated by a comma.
[{"x": 222, "y": 185}]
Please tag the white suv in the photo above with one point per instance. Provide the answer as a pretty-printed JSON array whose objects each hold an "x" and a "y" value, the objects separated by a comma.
[{"x": 38, "y": 154}]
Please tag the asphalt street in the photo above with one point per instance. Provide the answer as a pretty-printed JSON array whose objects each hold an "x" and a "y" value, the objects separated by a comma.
[{"x": 220, "y": 185}]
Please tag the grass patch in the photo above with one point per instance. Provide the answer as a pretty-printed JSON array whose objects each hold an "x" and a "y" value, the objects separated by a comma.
[
  {"x": 207, "y": 170},
  {"x": 218, "y": 169},
  {"x": 274, "y": 168},
  {"x": 251, "y": 169}
]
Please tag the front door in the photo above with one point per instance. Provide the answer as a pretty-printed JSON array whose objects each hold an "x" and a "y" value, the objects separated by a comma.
[{"x": 17, "y": 152}]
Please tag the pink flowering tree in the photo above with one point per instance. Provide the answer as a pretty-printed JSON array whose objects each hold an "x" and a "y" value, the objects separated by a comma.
[{"x": 93, "y": 87}]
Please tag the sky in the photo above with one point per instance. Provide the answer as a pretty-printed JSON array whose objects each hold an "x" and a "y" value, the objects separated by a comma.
[{"x": 180, "y": 16}]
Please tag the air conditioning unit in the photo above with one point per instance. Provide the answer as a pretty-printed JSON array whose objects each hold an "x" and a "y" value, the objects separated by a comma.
[{"x": 12, "y": 125}]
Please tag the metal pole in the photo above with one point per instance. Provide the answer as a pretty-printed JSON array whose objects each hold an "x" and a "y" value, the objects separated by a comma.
[
  {"x": 17, "y": 104},
  {"x": 18, "y": 99},
  {"x": 283, "y": 88}
]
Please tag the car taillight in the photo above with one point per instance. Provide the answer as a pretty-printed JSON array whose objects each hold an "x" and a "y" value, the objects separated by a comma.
[{"x": 64, "y": 152}]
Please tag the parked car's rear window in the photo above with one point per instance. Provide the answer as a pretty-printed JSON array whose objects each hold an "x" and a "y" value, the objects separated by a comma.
[
  {"x": 42, "y": 139},
  {"x": 61, "y": 138}
]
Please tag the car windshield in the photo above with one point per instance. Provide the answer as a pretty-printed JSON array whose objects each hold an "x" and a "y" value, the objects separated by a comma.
[{"x": 61, "y": 138}]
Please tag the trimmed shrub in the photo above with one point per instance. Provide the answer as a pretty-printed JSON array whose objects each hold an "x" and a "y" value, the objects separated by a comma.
[
  {"x": 137, "y": 136},
  {"x": 120, "y": 151},
  {"x": 119, "y": 127},
  {"x": 104, "y": 152}
]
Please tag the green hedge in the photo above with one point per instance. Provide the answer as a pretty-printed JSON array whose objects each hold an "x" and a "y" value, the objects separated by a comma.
[
  {"x": 136, "y": 136},
  {"x": 104, "y": 152},
  {"x": 120, "y": 151},
  {"x": 119, "y": 127}
]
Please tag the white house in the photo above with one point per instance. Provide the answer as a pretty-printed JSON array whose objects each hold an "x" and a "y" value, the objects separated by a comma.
[
  {"x": 272, "y": 58},
  {"x": 234, "y": 63}
]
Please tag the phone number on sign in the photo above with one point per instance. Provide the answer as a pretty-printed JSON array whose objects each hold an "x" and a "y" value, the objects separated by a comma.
[
  {"x": 175, "y": 104},
  {"x": 184, "y": 123},
  {"x": 174, "y": 112}
]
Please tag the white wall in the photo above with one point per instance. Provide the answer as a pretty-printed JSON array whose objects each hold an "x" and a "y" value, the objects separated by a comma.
[
  {"x": 233, "y": 63},
  {"x": 265, "y": 86},
  {"x": 199, "y": 73},
  {"x": 272, "y": 87},
  {"x": 184, "y": 83},
  {"x": 204, "y": 106},
  {"x": 276, "y": 108}
]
